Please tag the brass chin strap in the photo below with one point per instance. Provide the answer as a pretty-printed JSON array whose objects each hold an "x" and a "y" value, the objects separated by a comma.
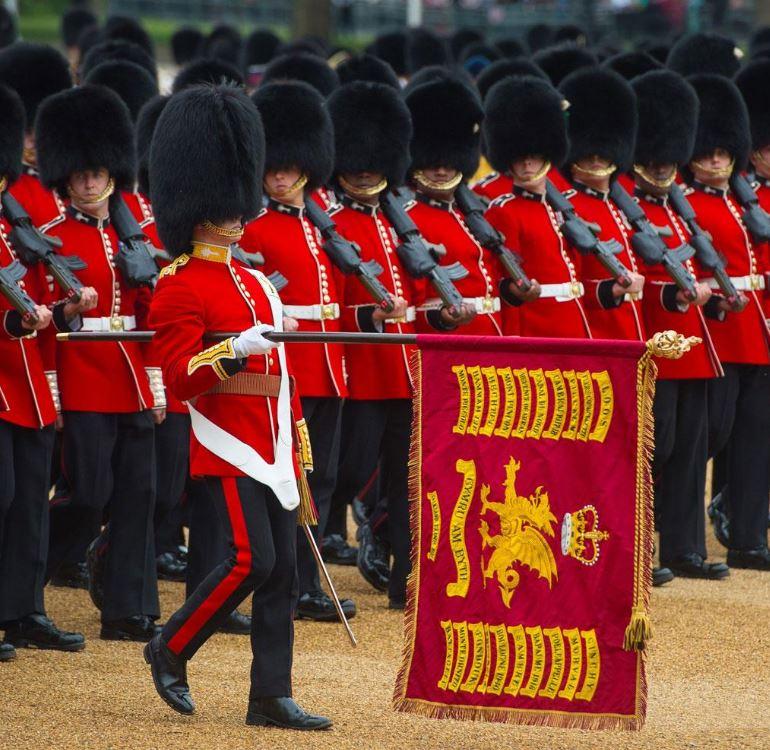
[
  {"x": 85, "y": 201},
  {"x": 722, "y": 172},
  {"x": 281, "y": 194},
  {"x": 647, "y": 177},
  {"x": 362, "y": 192},
  {"x": 542, "y": 172},
  {"x": 603, "y": 172},
  {"x": 222, "y": 231},
  {"x": 3, "y": 184},
  {"x": 423, "y": 181}
]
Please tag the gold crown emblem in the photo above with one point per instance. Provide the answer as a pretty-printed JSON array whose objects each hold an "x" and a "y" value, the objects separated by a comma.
[{"x": 580, "y": 535}]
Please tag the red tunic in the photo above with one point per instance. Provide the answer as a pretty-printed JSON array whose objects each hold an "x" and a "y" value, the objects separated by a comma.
[
  {"x": 44, "y": 206},
  {"x": 493, "y": 186},
  {"x": 106, "y": 376},
  {"x": 530, "y": 228},
  {"x": 440, "y": 223},
  {"x": 195, "y": 295},
  {"x": 374, "y": 372},
  {"x": 25, "y": 397},
  {"x": 291, "y": 245},
  {"x": 623, "y": 322},
  {"x": 702, "y": 361},
  {"x": 740, "y": 338},
  {"x": 762, "y": 188}
]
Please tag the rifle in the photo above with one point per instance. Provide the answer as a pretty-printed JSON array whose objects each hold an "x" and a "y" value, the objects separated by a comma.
[
  {"x": 134, "y": 258},
  {"x": 19, "y": 300},
  {"x": 650, "y": 247},
  {"x": 578, "y": 233},
  {"x": 487, "y": 236},
  {"x": 33, "y": 246},
  {"x": 347, "y": 255},
  {"x": 705, "y": 251},
  {"x": 754, "y": 217},
  {"x": 418, "y": 259}
]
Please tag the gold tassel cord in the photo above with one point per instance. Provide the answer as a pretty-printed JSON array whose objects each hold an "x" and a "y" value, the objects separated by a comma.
[{"x": 307, "y": 512}]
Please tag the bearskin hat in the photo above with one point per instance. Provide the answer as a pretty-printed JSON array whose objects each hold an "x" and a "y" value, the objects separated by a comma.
[
  {"x": 132, "y": 83},
  {"x": 129, "y": 30},
  {"x": 538, "y": 36},
  {"x": 655, "y": 48},
  {"x": 460, "y": 39},
  {"x": 303, "y": 66},
  {"x": 206, "y": 71},
  {"x": 223, "y": 43},
  {"x": 524, "y": 115},
  {"x": 752, "y": 82},
  {"x": 35, "y": 72},
  {"x": 571, "y": 32},
  {"x": 391, "y": 48},
  {"x": 446, "y": 123},
  {"x": 117, "y": 49},
  {"x": 367, "y": 67},
  {"x": 760, "y": 38},
  {"x": 440, "y": 73},
  {"x": 632, "y": 64},
  {"x": 186, "y": 44},
  {"x": 145, "y": 127},
  {"x": 87, "y": 127},
  {"x": 222, "y": 128},
  {"x": 11, "y": 134},
  {"x": 723, "y": 120},
  {"x": 9, "y": 31},
  {"x": 261, "y": 47},
  {"x": 423, "y": 48},
  {"x": 705, "y": 53},
  {"x": 561, "y": 60},
  {"x": 505, "y": 68},
  {"x": 89, "y": 37},
  {"x": 298, "y": 130},
  {"x": 511, "y": 47},
  {"x": 73, "y": 21},
  {"x": 372, "y": 130},
  {"x": 602, "y": 116},
  {"x": 667, "y": 109}
]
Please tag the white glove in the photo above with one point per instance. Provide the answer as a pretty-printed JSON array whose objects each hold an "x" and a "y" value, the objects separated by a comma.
[{"x": 251, "y": 341}]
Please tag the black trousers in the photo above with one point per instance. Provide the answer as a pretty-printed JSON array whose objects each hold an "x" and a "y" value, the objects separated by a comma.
[
  {"x": 379, "y": 432},
  {"x": 679, "y": 466},
  {"x": 172, "y": 457},
  {"x": 109, "y": 460},
  {"x": 262, "y": 538},
  {"x": 25, "y": 459},
  {"x": 739, "y": 422},
  {"x": 207, "y": 545},
  {"x": 323, "y": 417}
]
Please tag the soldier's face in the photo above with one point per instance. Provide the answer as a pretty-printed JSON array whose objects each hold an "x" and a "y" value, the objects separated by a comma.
[
  {"x": 527, "y": 171},
  {"x": 280, "y": 180},
  {"x": 712, "y": 169},
  {"x": 592, "y": 171},
  {"x": 440, "y": 174},
  {"x": 88, "y": 183},
  {"x": 761, "y": 161},
  {"x": 363, "y": 180},
  {"x": 660, "y": 173}
]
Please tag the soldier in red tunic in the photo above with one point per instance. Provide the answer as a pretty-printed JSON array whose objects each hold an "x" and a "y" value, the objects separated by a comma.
[
  {"x": 668, "y": 114},
  {"x": 299, "y": 159},
  {"x": 27, "y": 415},
  {"x": 86, "y": 151},
  {"x": 602, "y": 126},
  {"x": 243, "y": 442},
  {"x": 739, "y": 403},
  {"x": 526, "y": 146}
]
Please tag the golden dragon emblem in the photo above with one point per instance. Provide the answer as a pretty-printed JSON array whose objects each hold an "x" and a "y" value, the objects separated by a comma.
[{"x": 525, "y": 522}]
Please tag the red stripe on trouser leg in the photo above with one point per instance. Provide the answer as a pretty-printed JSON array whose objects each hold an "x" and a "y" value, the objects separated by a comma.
[{"x": 225, "y": 588}]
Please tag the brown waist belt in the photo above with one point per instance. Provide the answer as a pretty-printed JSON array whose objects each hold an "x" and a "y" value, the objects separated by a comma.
[{"x": 249, "y": 384}]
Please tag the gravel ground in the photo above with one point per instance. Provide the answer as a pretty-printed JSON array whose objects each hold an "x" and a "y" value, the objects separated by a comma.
[{"x": 709, "y": 666}]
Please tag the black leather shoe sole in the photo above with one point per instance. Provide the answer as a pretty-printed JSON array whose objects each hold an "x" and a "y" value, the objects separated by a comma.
[
  {"x": 116, "y": 634},
  {"x": 7, "y": 654},
  {"x": 259, "y": 720},
  {"x": 29, "y": 643},
  {"x": 705, "y": 574},
  {"x": 748, "y": 563},
  {"x": 661, "y": 576},
  {"x": 179, "y": 708},
  {"x": 349, "y": 559}
]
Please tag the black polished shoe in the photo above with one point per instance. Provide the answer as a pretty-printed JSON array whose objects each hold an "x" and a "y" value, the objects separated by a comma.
[
  {"x": 361, "y": 511},
  {"x": 336, "y": 551},
  {"x": 7, "y": 651},
  {"x": 236, "y": 624},
  {"x": 284, "y": 713},
  {"x": 719, "y": 520},
  {"x": 37, "y": 631},
  {"x": 751, "y": 559},
  {"x": 171, "y": 567},
  {"x": 318, "y": 606},
  {"x": 96, "y": 556},
  {"x": 139, "y": 628},
  {"x": 396, "y": 604},
  {"x": 694, "y": 566},
  {"x": 169, "y": 673},
  {"x": 661, "y": 576},
  {"x": 372, "y": 558},
  {"x": 71, "y": 576}
]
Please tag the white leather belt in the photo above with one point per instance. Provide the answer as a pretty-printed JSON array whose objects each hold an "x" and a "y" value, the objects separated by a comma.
[
  {"x": 751, "y": 283},
  {"x": 312, "y": 312},
  {"x": 409, "y": 317},
  {"x": 115, "y": 323},
  {"x": 633, "y": 296},
  {"x": 562, "y": 292}
]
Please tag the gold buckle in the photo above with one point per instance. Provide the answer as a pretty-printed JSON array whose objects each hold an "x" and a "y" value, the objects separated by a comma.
[
  {"x": 574, "y": 289},
  {"x": 116, "y": 323},
  {"x": 327, "y": 312},
  {"x": 488, "y": 305},
  {"x": 393, "y": 321},
  {"x": 754, "y": 282}
]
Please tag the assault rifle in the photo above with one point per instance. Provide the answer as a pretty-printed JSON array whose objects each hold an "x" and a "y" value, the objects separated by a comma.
[
  {"x": 487, "y": 236},
  {"x": 134, "y": 258},
  {"x": 19, "y": 300},
  {"x": 755, "y": 218},
  {"x": 32, "y": 246}
]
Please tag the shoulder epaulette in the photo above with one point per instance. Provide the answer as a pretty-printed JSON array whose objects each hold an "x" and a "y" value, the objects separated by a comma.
[
  {"x": 501, "y": 200},
  {"x": 262, "y": 212},
  {"x": 174, "y": 266},
  {"x": 484, "y": 181}
]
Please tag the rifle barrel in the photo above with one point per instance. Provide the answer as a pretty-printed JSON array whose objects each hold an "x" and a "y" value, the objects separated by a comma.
[{"x": 288, "y": 337}]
